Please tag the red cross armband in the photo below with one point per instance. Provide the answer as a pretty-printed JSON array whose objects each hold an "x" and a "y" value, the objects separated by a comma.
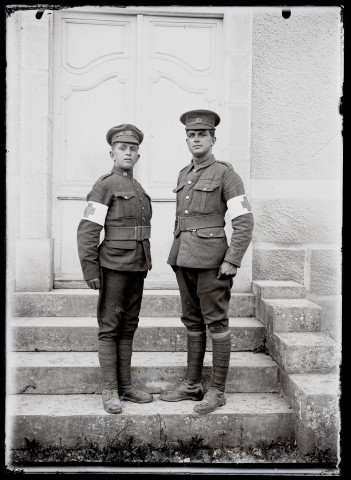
[
  {"x": 238, "y": 206},
  {"x": 95, "y": 212}
]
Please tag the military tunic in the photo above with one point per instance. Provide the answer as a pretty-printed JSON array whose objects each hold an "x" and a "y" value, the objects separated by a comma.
[
  {"x": 204, "y": 194},
  {"x": 120, "y": 205}
]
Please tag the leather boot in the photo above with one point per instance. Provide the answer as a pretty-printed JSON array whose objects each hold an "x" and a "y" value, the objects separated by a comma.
[
  {"x": 126, "y": 391},
  {"x": 215, "y": 397},
  {"x": 108, "y": 366},
  {"x": 190, "y": 388},
  {"x": 212, "y": 400}
]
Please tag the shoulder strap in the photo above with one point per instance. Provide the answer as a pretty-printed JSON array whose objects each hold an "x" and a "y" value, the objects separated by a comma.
[{"x": 103, "y": 177}]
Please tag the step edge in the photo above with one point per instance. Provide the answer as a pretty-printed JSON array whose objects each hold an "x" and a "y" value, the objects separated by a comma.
[{"x": 21, "y": 359}]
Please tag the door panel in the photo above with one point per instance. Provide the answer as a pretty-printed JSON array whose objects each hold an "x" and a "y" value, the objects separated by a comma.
[
  {"x": 94, "y": 86},
  {"x": 81, "y": 152},
  {"x": 94, "y": 89},
  {"x": 182, "y": 65},
  {"x": 88, "y": 43}
]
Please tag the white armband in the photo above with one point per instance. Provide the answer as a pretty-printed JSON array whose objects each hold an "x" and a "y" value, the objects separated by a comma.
[
  {"x": 95, "y": 212},
  {"x": 238, "y": 206}
]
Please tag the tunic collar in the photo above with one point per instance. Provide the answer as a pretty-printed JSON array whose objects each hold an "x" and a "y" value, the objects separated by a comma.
[
  {"x": 122, "y": 173},
  {"x": 206, "y": 163}
]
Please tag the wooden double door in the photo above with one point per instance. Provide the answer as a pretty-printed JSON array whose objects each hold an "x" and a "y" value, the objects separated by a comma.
[{"x": 110, "y": 69}]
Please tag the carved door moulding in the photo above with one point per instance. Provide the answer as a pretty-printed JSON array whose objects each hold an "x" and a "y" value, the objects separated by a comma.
[{"x": 84, "y": 43}]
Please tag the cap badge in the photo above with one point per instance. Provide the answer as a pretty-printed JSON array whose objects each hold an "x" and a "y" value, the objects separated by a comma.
[
  {"x": 126, "y": 132},
  {"x": 198, "y": 120}
]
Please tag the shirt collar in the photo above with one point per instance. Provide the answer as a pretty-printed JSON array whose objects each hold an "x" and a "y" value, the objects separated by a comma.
[
  {"x": 122, "y": 173},
  {"x": 206, "y": 163}
]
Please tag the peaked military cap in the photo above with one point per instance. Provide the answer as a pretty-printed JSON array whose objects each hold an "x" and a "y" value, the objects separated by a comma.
[
  {"x": 125, "y": 133},
  {"x": 200, "y": 119}
]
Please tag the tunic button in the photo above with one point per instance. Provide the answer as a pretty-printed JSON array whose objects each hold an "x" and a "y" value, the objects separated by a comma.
[
  {"x": 194, "y": 230},
  {"x": 211, "y": 234},
  {"x": 143, "y": 208},
  {"x": 125, "y": 174},
  {"x": 141, "y": 199},
  {"x": 204, "y": 188},
  {"x": 187, "y": 197},
  {"x": 186, "y": 211},
  {"x": 189, "y": 182},
  {"x": 126, "y": 196}
]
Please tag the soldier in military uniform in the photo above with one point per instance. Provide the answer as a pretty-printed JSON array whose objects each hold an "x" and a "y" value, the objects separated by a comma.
[
  {"x": 119, "y": 265},
  {"x": 202, "y": 260}
]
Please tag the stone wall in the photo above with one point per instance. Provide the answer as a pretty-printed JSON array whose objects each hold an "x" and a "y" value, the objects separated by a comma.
[{"x": 296, "y": 152}]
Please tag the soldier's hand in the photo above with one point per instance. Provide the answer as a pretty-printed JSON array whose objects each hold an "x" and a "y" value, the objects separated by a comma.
[
  {"x": 226, "y": 270},
  {"x": 94, "y": 283}
]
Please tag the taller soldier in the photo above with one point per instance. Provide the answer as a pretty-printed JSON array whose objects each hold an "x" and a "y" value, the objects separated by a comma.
[
  {"x": 119, "y": 265},
  {"x": 202, "y": 260}
]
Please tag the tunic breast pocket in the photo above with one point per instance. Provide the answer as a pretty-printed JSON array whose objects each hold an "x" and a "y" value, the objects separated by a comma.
[
  {"x": 206, "y": 196},
  {"x": 125, "y": 205}
]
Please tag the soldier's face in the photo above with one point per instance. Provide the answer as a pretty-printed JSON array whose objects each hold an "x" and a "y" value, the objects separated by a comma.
[
  {"x": 124, "y": 155},
  {"x": 199, "y": 142}
]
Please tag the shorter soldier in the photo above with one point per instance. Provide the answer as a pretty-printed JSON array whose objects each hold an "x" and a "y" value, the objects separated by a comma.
[
  {"x": 119, "y": 265},
  {"x": 202, "y": 260}
]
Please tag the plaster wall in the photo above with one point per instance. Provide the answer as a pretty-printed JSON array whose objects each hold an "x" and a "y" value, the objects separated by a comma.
[{"x": 296, "y": 152}]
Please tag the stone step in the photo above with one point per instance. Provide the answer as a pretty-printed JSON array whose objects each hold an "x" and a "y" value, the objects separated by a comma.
[
  {"x": 246, "y": 419},
  {"x": 79, "y": 283},
  {"x": 82, "y": 303},
  {"x": 278, "y": 289},
  {"x": 264, "y": 289},
  {"x": 153, "y": 334},
  {"x": 305, "y": 352},
  {"x": 79, "y": 372},
  {"x": 315, "y": 400},
  {"x": 292, "y": 315}
]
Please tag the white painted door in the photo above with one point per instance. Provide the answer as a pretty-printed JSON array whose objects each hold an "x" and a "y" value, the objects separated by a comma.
[{"x": 111, "y": 69}]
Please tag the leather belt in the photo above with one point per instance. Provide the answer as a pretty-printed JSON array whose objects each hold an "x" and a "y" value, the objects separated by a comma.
[
  {"x": 200, "y": 221},
  {"x": 128, "y": 233}
]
